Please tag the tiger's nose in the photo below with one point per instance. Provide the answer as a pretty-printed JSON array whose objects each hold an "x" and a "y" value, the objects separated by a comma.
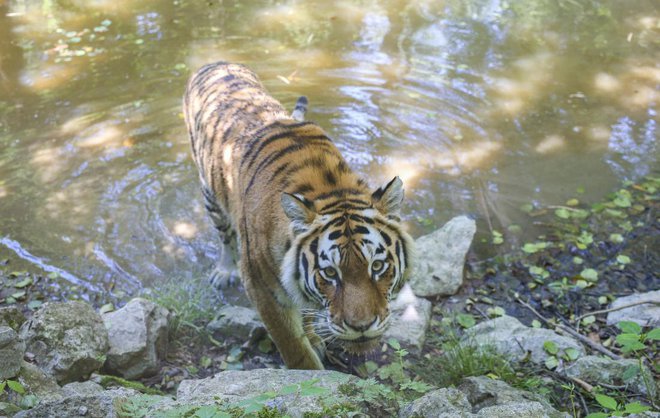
[{"x": 361, "y": 326}]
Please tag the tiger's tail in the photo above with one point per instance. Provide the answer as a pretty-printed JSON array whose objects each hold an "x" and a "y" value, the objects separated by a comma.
[{"x": 300, "y": 109}]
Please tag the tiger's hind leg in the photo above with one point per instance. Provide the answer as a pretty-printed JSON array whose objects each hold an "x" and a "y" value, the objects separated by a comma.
[{"x": 225, "y": 273}]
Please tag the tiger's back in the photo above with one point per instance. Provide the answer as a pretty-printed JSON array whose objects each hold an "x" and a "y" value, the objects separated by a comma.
[{"x": 280, "y": 190}]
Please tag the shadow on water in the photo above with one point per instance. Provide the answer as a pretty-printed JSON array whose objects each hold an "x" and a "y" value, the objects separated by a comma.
[{"x": 479, "y": 106}]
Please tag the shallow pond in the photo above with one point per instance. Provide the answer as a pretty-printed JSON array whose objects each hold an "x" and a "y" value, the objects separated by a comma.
[{"x": 480, "y": 106}]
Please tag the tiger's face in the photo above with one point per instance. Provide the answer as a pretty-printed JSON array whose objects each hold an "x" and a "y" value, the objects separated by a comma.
[{"x": 345, "y": 265}]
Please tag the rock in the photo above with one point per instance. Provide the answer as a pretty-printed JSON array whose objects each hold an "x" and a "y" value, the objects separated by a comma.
[
  {"x": 11, "y": 353},
  {"x": 11, "y": 317},
  {"x": 81, "y": 388},
  {"x": 518, "y": 410},
  {"x": 35, "y": 381},
  {"x": 138, "y": 337},
  {"x": 645, "y": 315},
  {"x": 68, "y": 340},
  {"x": 440, "y": 403},
  {"x": 234, "y": 322},
  {"x": 480, "y": 397},
  {"x": 483, "y": 392},
  {"x": 232, "y": 387},
  {"x": 595, "y": 370},
  {"x": 440, "y": 257},
  {"x": 410, "y": 319},
  {"x": 105, "y": 404},
  {"x": 514, "y": 340}
]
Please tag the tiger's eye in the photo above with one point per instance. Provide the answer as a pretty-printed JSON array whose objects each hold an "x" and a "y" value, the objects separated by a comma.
[
  {"x": 377, "y": 266},
  {"x": 330, "y": 272}
]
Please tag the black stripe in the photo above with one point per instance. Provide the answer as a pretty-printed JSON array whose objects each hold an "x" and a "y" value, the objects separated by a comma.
[{"x": 339, "y": 193}]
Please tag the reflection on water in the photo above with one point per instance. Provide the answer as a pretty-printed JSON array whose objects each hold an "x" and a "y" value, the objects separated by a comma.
[{"x": 480, "y": 106}]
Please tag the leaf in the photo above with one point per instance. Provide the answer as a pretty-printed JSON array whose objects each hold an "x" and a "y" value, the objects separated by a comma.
[
  {"x": 589, "y": 274},
  {"x": 616, "y": 238},
  {"x": 314, "y": 391},
  {"x": 550, "y": 347},
  {"x": 606, "y": 401},
  {"x": 465, "y": 320},
  {"x": 572, "y": 202},
  {"x": 3, "y": 383},
  {"x": 588, "y": 320},
  {"x": 108, "y": 307},
  {"x": 23, "y": 283},
  {"x": 622, "y": 259},
  {"x": 536, "y": 323},
  {"x": 16, "y": 386},
  {"x": 629, "y": 327},
  {"x": 18, "y": 295},
  {"x": 495, "y": 311},
  {"x": 627, "y": 339},
  {"x": 562, "y": 213},
  {"x": 394, "y": 343},
  {"x": 53, "y": 275},
  {"x": 654, "y": 334},
  {"x": 598, "y": 415},
  {"x": 34, "y": 304},
  {"x": 636, "y": 408},
  {"x": 551, "y": 362},
  {"x": 289, "y": 389},
  {"x": 572, "y": 354}
]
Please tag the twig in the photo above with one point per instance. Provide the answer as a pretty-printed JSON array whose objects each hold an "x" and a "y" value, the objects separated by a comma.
[
  {"x": 618, "y": 308},
  {"x": 586, "y": 386},
  {"x": 566, "y": 330}
]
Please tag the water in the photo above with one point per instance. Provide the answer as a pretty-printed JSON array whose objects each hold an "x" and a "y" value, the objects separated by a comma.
[{"x": 480, "y": 106}]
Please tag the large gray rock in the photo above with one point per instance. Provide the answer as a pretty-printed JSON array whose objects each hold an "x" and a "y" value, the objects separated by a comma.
[
  {"x": 232, "y": 387},
  {"x": 440, "y": 403},
  {"x": 138, "y": 337},
  {"x": 645, "y": 315},
  {"x": 483, "y": 392},
  {"x": 440, "y": 257},
  {"x": 11, "y": 353},
  {"x": 104, "y": 404},
  {"x": 595, "y": 370},
  {"x": 235, "y": 322},
  {"x": 68, "y": 340},
  {"x": 514, "y": 340},
  {"x": 480, "y": 397},
  {"x": 411, "y": 316}
]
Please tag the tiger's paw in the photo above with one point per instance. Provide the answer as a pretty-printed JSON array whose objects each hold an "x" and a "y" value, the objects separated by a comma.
[{"x": 222, "y": 278}]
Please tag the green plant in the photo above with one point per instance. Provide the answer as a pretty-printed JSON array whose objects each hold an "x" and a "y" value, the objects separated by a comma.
[
  {"x": 615, "y": 408},
  {"x": 396, "y": 373},
  {"x": 13, "y": 385},
  {"x": 632, "y": 338},
  {"x": 554, "y": 355}
]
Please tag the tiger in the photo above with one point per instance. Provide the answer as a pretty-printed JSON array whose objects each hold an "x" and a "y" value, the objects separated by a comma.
[{"x": 319, "y": 253}]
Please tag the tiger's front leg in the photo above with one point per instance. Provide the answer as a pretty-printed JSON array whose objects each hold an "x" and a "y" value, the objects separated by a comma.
[{"x": 283, "y": 320}]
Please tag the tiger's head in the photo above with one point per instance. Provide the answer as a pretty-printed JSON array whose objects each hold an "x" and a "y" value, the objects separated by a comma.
[{"x": 349, "y": 255}]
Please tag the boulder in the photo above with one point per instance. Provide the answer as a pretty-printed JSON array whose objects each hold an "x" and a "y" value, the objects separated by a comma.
[
  {"x": 286, "y": 386},
  {"x": 595, "y": 370},
  {"x": 440, "y": 403},
  {"x": 105, "y": 404},
  {"x": 67, "y": 339},
  {"x": 480, "y": 397},
  {"x": 645, "y": 315},
  {"x": 234, "y": 322},
  {"x": 11, "y": 353},
  {"x": 483, "y": 392},
  {"x": 440, "y": 257},
  {"x": 81, "y": 388},
  {"x": 138, "y": 337},
  {"x": 514, "y": 340},
  {"x": 411, "y": 316},
  {"x": 11, "y": 317}
]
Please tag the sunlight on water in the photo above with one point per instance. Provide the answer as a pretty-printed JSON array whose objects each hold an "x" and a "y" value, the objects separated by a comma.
[{"x": 479, "y": 106}]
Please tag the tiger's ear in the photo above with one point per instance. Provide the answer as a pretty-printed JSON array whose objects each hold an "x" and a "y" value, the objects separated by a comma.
[
  {"x": 388, "y": 198},
  {"x": 299, "y": 210}
]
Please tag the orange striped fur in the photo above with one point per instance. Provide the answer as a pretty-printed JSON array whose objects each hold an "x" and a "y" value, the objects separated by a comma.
[{"x": 320, "y": 254}]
